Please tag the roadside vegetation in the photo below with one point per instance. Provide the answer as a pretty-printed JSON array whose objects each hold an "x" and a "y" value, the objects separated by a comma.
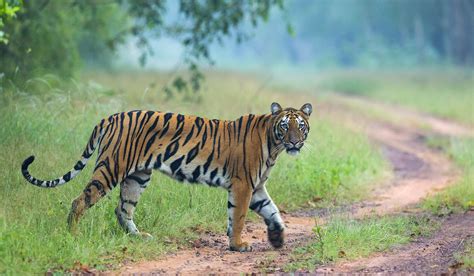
[
  {"x": 53, "y": 121},
  {"x": 459, "y": 197},
  {"x": 348, "y": 239},
  {"x": 447, "y": 93}
]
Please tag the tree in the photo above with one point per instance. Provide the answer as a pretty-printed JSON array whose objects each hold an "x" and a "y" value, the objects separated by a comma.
[
  {"x": 8, "y": 10},
  {"x": 47, "y": 35}
]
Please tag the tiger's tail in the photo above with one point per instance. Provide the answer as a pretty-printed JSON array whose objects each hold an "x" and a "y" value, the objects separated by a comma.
[{"x": 94, "y": 140}]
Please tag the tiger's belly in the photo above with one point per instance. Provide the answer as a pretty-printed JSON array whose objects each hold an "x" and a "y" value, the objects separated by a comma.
[{"x": 193, "y": 173}]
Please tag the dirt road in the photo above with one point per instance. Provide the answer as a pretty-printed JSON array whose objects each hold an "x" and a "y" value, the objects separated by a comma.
[{"x": 417, "y": 171}]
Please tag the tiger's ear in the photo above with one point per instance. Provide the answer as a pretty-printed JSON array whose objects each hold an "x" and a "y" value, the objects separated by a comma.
[
  {"x": 307, "y": 108},
  {"x": 275, "y": 108}
]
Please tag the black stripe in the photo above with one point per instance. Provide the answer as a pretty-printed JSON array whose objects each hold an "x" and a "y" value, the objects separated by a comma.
[
  {"x": 192, "y": 154},
  {"x": 219, "y": 148},
  {"x": 176, "y": 164},
  {"x": 67, "y": 176},
  {"x": 171, "y": 150},
  {"x": 148, "y": 161},
  {"x": 157, "y": 164},
  {"x": 204, "y": 137},
  {"x": 235, "y": 130},
  {"x": 208, "y": 162},
  {"x": 259, "y": 204},
  {"x": 79, "y": 165},
  {"x": 230, "y": 205},
  {"x": 109, "y": 183},
  {"x": 199, "y": 122},
  {"x": 188, "y": 137},
  {"x": 91, "y": 140},
  {"x": 179, "y": 175},
  {"x": 214, "y": 173},
  {"x": 228, "y": 133},
  {"x": 240, "y": 127},
  {"x": 167, "y": 117},
  {"x": 211, "y": 126},
  {"x": 180, "y": 125},
  {"x": 226, "y": 164},
  {"x": 150, "y": 143},
  {"x": 164, "y": 130},
  {"x": 166, "y": 124},
  {"x": 153, "y": 126},
  {"x": 116, "y": 170},
  {"x": 128, "y": 136},
  {"x": 196, "y": 173},
  {"x": 137, "y": 179}
]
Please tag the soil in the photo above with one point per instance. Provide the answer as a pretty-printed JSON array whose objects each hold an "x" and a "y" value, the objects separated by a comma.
[{"x": 418, "y": 171}]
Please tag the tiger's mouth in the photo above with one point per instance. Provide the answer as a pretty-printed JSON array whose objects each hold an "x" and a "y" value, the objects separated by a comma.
[{"x": 293, "y": 149}]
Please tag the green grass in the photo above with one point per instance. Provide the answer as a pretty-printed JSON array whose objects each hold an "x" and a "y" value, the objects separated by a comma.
[
  {"x": 459, "y": 197},
  {"x": 466, "y": 257},
  {"x": 448, "y": 94},
  {"x": 348, "y": 239},
  {"x": 54, "y": 120}
]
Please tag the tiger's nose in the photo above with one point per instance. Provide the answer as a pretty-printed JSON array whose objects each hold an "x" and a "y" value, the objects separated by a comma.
[{"x": 296, "y": 144}]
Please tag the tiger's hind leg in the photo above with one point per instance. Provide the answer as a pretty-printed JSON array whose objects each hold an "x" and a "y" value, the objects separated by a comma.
[
  {"x": 97, "y": 188},
  {"x": 130, "y": 191}
]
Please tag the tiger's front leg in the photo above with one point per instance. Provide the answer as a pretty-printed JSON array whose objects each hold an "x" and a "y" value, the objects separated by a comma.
[
  {"x": 237, "y": 206},
  {"x": 263, "y": 205}
]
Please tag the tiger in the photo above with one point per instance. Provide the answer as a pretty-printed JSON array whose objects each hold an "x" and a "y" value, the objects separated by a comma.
[{"x": 235, "y": 155}]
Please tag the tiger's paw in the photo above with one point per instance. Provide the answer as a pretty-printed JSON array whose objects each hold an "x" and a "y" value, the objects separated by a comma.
[
  {"x": 276, "y": 237},
  {"x": 243, "y": 247}
]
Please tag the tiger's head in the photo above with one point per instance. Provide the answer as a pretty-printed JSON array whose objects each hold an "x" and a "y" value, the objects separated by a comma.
[{"x": 291, "y": 126}]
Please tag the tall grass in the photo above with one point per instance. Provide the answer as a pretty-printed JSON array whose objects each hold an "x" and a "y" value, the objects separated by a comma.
[
  {"x": 459, "y": 197},
  {"x": 349, "y": 239},
  {"x": 448, "y": 94},
  {"x": 53, "y": 121}
]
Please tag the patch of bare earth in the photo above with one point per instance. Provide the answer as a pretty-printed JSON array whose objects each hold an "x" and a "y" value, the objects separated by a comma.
[{"x": 418, "y": 171}]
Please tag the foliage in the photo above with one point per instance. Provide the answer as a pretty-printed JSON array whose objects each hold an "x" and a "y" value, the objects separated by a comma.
[
  {"x": 50, "y": 36},
  {"x": 8, "y": 10},
  {"x": 44, "y": 39},
  {"x": 445, "y": 93},
  {"x": 459, "y": 197},
  {"x": 349, "y": 239}
]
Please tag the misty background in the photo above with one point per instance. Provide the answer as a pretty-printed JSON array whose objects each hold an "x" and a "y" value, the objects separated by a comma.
[
  {"x": 326, "y": 34},
  {"x": 65, "y": 38}
]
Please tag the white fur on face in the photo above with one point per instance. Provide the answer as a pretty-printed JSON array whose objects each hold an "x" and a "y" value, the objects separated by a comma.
[{"x": 293, "y": 152}]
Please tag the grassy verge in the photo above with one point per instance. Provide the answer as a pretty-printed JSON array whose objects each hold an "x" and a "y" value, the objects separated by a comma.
[
  {"x": 447, "y": 94},
  {"x": 459, "y": 197},
  {"x": 54, "y": 120},
  {"x": 348, "y": 239}
]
